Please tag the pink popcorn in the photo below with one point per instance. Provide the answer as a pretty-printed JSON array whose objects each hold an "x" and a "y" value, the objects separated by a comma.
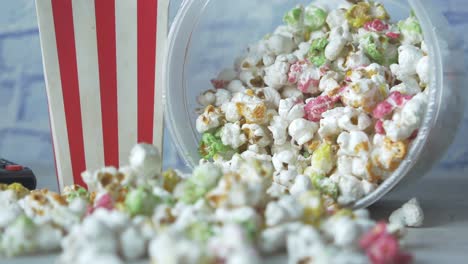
[
  {"x": 304, "y": 84},
  {"x": 105, "y": 202},
  {"x": 399, "y": 99},
  {"x": 383, "y": 109},
  {"x": 396, "y": 99},
  {"x": 219, "y": 84},
  {"x": 376, "y": 25},
  {"x": 393, "y": 35},
  {"x": 379, "y": 128},
  {"x": 317, "y": 106},
  {"x": 296, "y": 70},
  {"x": 382, "y": 247}
]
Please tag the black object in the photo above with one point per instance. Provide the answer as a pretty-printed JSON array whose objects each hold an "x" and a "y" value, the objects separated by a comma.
[{"x": 11, "y": 172}]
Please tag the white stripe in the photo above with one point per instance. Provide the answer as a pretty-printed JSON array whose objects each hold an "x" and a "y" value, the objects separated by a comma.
[
  {"x": 161, "y": 40},
  {"x": 127, "y": 82},
  {"x": 54, "y": 92},
  {"x": 84, "y": 21}
]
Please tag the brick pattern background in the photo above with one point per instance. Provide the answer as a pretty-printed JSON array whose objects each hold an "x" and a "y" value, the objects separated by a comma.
[{"x": 24, "y": 122}]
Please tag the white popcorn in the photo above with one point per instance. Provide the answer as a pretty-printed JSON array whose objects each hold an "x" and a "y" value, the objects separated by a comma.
[
  {"x": 276, "y": 75},
  {"x": 410, "y": 214},
  {"x": 338, "y": 38},
  {"x": 350, "y": 188},
  {"x": 222, "y": 96},
  {"x": 275, "y": 238},
  {"x": 353, "y": 119},
  {"x": 277, "y": 190},
  {"x": 284, "y": 159},
  {"x": 343, "y": 230},
  {"x": 291, "y": 92},
  {"x": 231, "y": 135},
  {"x": 329, "y": 82},
  {"x": 357, "y": 59},
  {"x": 227, "y": 75},
  {"x": 207, "y": 98},
  {"x": 303, "y": 243},
  {"x": 290, "y": 109},
  {"x": 422, "y": 69},
  {"x": 286, "y": 209},
  {"x": 357, "y": 166},
  {"x": 252, "y": 77},
  {"x": 301, "y": 185},
  {"x": 354, "y": 143},
  {"x": 132, "y": 244},
  {"x": 270, "y": 96},
  {"x": 268, "y": 60},
  {"x": 406, "y": 121},
  {"x": 408, "y": 58},
  {"x": 302, "y": 51},
  {"x": 231, "y": 112},
  {"x": 256, "y": 152},
  {"x": 145, "y": 160},
  {"x": 285, "y": 177},
  {"x": 235, "y": 86},
  {"x": 278, "y": 128},
  {"x": 336, "y": 18},
  {"x": 257, "y": 134},
  {"x": 387, "y": 154},
  {"x": 211, "y": 118},
  {"x": 302, "y": 130},
  {"x": 365, "y": 94},
  {"x": 174, "y": 249},
  {"x": 409, "y": 86},
  {"x": 279, "y": 44}
]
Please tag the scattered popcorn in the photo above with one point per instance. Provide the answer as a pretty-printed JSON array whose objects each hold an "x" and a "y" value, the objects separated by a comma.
[{"x": 410, "y": 214}]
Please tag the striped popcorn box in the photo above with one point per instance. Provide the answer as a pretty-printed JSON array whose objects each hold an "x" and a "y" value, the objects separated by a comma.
[{"x": 103, "y": 63}]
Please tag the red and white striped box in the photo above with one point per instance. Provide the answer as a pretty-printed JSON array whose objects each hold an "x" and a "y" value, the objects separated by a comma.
[{"x": 103, "y": 63}]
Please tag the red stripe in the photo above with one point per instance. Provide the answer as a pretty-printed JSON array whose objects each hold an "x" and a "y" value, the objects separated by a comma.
[
  {"x": 65, "y": 37},
  {"x": 146, "y": 11},
  {"x": 106, "y": 43}
]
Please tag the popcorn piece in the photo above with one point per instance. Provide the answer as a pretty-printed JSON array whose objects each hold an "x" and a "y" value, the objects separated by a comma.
[
  {"x": 350, "y": 188},
  {"x": 323, "y": 159},
  {"x": 284, "y": 159},
  {"x": 409, "y": 119},
  {"x": 286, "y": 209},
  {"x": 408, "y": 87},
  {"x": 387, "y": 154},
  {"x": 317, "y": 106},
  {"x": 291, "y": 92},
  {"x": 210, "y": 119},
  {"x": 422, "y": 69},
  {"x": 302, "y": 130},
  {"x": 314, "y": 17},
  {"x": 411, "y": 31},
  {"x": 408, "y": 59},
  {"x": 276, "y": 75},
  {"x": 301, "y": 185},
  {"x": 235, "y": 86},
  {"x": 278, "y": 128},
  {"x": 257, "y": 135},
  {"x": 324, "y": 185},
  {"x": 338, "y": 38},
  {"x": 364, "y": 94},
  {"x": 222, "y": 96},
  {"x": 336, "y": 18},
  {"x": 285, "y": 177},
  {"x": 145, "y": 160},
  {"x": 354, "y": 143},
  {"x": 204, "y": 178},
  {"x": 231, "y": 135},
  {"x": 231, "y": 111},
  {"x": 410, "y": 214},
  {"x": 207, "y": 98},
  {"x": 290, "y": 109},
  {"x": 132, "y": 244},
  {"x": 318, "y": 50},
  {"x": 211, "y": 146},
  {"x": 279, "y": 44},
  {"x": 357, "y": 59},
  {"x": 174, "y": 248},
  {"x": 140, "y": 201}
]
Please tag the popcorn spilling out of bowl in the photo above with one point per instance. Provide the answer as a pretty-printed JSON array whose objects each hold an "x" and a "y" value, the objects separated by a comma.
[{"x": 347, "y": 78}]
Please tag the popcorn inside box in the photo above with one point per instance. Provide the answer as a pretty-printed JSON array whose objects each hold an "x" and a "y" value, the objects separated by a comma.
[{"x": 310, "y": 119}]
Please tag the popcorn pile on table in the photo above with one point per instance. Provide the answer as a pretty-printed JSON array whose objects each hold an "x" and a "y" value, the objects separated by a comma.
[
  {"x": 313, "y": 118},
  {"x": 333, "y": 98}
]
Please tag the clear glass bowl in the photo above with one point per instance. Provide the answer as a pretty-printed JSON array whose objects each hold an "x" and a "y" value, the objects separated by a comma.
[{"x": 207, "y": 35}]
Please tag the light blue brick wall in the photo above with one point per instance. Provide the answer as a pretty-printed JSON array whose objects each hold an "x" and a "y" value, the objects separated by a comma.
[{"x": 24, "y": 123}]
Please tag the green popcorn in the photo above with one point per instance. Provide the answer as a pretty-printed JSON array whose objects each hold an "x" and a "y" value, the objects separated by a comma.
[
  {"x": 373, "y": 51},
  {"x": 24, "y": 223},
  {"x": 323, "y": 159},
  {"x": 200, "y": 231},
  {"x": 411, "y": 30},
  {"x": 324, "y": 185},
  {"x": 79, "y": 192},
  {"x": 317, "y": 51},
  {"x": 314, "y": 17},
  {"x": 211, "y": 145},
  {"x": 379, "y": 49},
  {"x": 192, "y": 192},
  {"x": 141, "y": 201},
  {"x": 250, "y": 228},
  {"x": 294, "y": 18}
]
